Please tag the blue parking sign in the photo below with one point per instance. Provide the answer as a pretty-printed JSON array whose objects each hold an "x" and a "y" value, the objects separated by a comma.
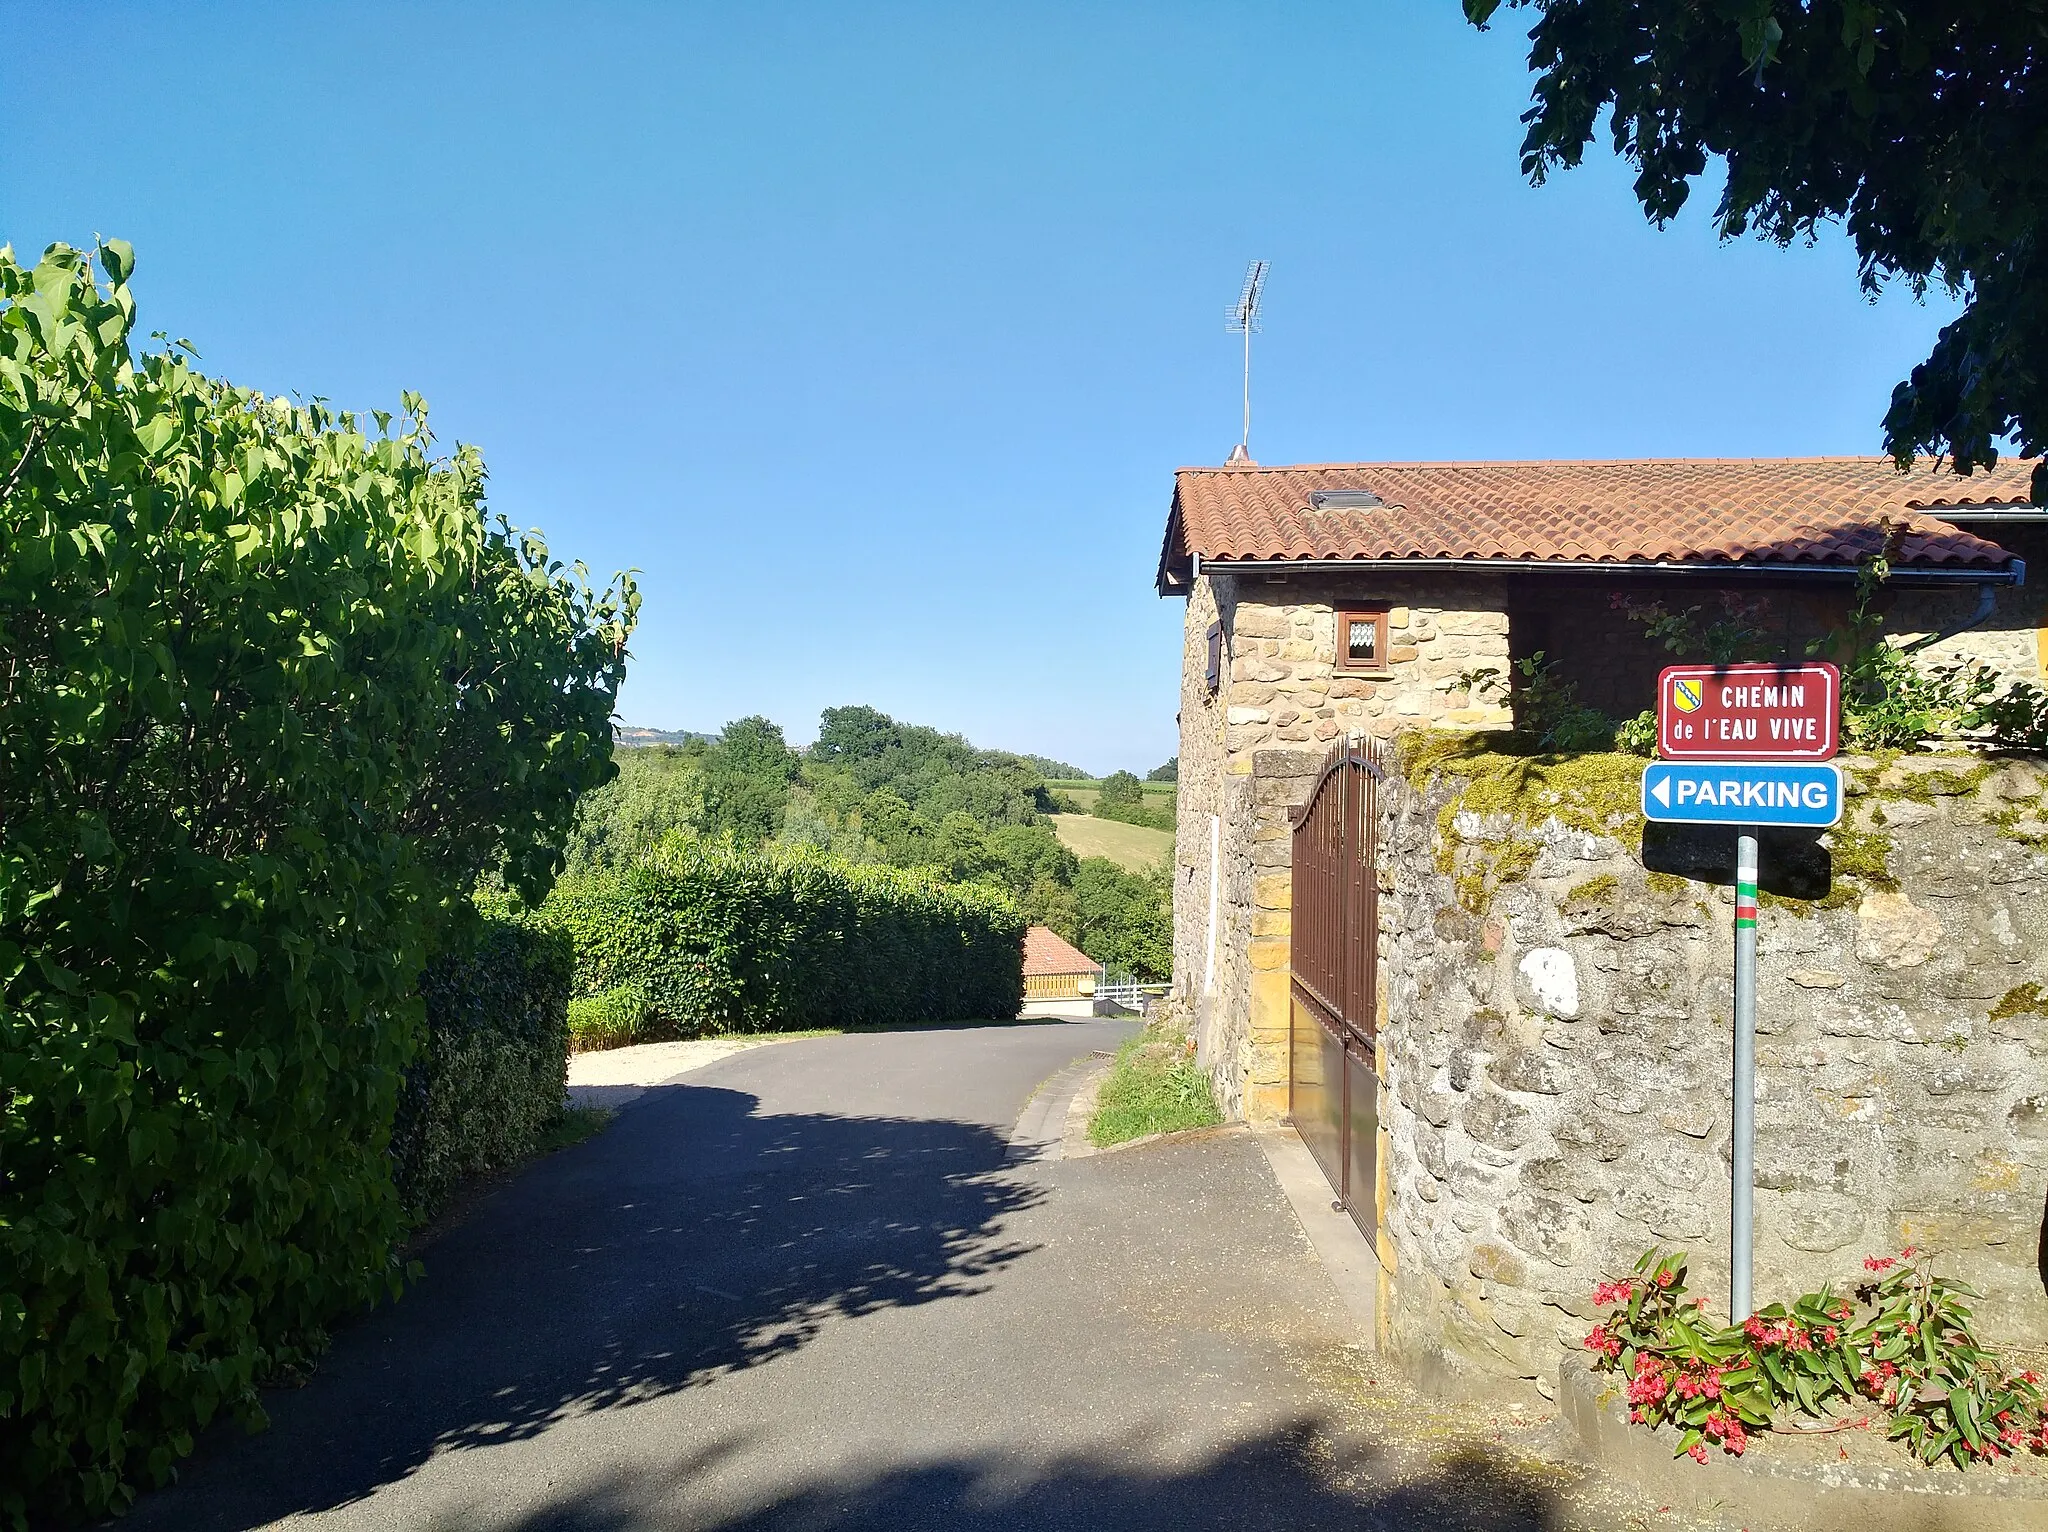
[{"x": 1738, "y": 793}]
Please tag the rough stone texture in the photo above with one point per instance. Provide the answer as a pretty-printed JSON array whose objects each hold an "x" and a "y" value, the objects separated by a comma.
[
  {"x": 1575, "y": 622},
  {"x": 1250, "y": 753},
  {"x": 2013, "y": 639},
  {"x": 1557, "y": 1065}
]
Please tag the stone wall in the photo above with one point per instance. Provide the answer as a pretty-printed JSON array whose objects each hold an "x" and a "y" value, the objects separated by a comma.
[
  {"x": 1249, "y": 753},
  {"x": 1556, "y": 1046},
  {"x": 2010, "y": 640},
  {"x": 1284, "y": 686},
  {"x": 1211, "y": 914},
  {"x": 1575, "y": 623}
]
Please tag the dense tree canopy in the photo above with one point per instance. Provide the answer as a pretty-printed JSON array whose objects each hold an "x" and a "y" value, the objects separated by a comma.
[
  {"x": 1918, "y": 125},
  {"x": 872, "y": 789}
]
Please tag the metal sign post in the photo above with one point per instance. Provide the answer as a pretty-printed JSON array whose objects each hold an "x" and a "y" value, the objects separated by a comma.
[
  {"x": 1712, "y": 724},
  {"x": 1742, "y": 1150}
]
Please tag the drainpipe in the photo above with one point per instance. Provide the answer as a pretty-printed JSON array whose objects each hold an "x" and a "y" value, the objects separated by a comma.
[{"x": 1987, "y": 601}]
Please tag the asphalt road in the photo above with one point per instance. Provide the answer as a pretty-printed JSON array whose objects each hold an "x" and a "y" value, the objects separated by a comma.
[{"x": 811, "y": 1287}]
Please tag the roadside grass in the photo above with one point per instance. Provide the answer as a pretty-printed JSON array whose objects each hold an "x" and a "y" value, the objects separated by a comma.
[
  {"x": 577, "y": 1124},
  {"x": 1152, "y": 1087},
  {"x": 1132, "y": 847}
]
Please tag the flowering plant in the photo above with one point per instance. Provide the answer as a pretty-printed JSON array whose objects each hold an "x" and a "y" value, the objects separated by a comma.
[
  {"x": 1949, "y": 1397},
  {"x": 1913, "y": 1355}
]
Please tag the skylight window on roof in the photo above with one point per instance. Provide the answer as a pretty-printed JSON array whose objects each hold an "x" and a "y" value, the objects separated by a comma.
[{"x": 1344, "y": 500}]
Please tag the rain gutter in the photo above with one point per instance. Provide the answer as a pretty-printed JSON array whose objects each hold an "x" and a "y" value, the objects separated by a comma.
[{"x": 2014, "y": 573}]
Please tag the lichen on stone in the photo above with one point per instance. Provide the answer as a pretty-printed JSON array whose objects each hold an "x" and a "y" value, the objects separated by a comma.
[
  {"x": 1600, "y": 792},
  {"x": 1592, "y": 890},
  {"x": 2021, "y": 1000}
]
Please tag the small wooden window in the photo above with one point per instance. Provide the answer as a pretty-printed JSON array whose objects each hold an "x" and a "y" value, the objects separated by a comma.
[
  {"x": 1362, "y": 639},
  {"x": 1214, "y": 674}
]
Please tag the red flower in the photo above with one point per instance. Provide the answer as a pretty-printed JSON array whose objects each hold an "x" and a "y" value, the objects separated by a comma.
[
  {"x": 1878, "y": 1263},
  {"x": 1663, "y": 1279},
  {"x": 1909, "y": 1252},
  {"x": 1697, "y": 1452}
]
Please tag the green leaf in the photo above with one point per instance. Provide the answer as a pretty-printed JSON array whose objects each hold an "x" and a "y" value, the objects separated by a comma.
[
  {"x": 117, "y": 257},
  {"x": 157, "y": 433}
]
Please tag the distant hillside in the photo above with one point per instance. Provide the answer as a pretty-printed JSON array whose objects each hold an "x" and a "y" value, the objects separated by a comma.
[
  {"x": 627, "y": 734},
  {"x": 1050, "y": 768}
]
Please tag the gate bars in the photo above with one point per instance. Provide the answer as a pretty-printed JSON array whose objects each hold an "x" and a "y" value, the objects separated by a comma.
[
  {"x": 1335, "y": 942},
  {"x": 1332, "y": 1085}
]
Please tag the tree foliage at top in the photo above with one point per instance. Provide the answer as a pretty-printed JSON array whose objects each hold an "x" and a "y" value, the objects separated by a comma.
[
  {"x": 1919, "y": 125},
  {"x": 873, "y": 789},
  {"x": 273, "y": 692},
  {"x": 747, "y": 774},
  {"x": 1170, "y": 772},
  {"x": 1120, "y": 789}
]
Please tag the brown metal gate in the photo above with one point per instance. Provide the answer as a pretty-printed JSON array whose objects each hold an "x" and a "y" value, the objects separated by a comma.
[{"x": 1333, "y": 1090}]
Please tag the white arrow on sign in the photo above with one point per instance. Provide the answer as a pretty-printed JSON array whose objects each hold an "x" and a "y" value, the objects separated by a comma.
[{"x": 1661, "y": 791}]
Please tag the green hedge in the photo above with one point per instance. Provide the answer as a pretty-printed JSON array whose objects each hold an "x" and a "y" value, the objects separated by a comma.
[
  {"x": 491, "y": 1077},
  {"x": 275, "y": 691},
  {"x": 717, "y": 940}
]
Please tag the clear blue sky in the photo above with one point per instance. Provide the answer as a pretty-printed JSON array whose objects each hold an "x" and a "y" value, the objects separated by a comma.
[{"x": 871, "y": 334}]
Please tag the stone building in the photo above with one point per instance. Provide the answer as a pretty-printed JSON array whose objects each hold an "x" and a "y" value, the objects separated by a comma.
[{"x": 1370, "y": 601}]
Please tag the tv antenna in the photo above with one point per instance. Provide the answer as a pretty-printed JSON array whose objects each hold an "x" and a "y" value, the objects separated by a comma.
[{"x": 1244, "y": 320}]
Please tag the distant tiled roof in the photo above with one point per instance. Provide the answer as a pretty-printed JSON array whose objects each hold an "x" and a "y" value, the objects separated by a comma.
[
  {"x": 1046, "y": 953},
  {"x": 1824, "y": 512}
]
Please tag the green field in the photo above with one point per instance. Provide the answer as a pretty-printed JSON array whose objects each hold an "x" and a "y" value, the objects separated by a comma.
[
  {"x": 1158, "y": 795},
  {"x": 1129, "y": 846}
]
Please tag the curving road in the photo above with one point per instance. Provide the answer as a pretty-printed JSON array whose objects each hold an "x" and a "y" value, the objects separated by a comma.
[{"x": 813, "y": 1286}]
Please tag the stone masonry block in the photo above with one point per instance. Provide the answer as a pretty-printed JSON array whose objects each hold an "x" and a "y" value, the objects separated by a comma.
[
  {"x": 1270, "y": 1001},
  {"x": 1260, "y": 622},
  {"x": 1272, "y": 923},
  {"x": 1473, "y": 624},
  {"x": 1286, "y": 763},
  {"x": 1268, "y": 954},
  {"x": 1265, "y": 1103},
  {"x": 1275, "y": 891}
]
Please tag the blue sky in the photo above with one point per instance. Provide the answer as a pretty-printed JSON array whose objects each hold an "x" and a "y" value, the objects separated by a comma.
[{"x": 871, "y": 334}]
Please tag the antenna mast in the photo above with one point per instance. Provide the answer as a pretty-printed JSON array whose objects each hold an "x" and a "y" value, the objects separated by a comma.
[{"x": 1244, "y": 320}]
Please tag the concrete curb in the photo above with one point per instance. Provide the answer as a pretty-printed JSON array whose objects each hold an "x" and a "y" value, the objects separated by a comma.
[
  {"x": 1351, "y": 1264},
  {"x": 1177, "y": 1136},
  {"x": 1823, "y": 1496},
  {"x": 1074, "y": 1142},
  {"x": 1040, "y": 1132}
]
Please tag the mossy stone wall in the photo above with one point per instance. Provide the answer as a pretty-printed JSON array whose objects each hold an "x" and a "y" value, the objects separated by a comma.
[{"x": 1558, "y": 978}]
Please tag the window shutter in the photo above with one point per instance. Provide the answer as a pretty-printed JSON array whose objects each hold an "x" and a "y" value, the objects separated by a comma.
[{"x": 1214, "y": 674}]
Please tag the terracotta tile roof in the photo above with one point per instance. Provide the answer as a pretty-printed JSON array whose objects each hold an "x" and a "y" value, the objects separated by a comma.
[
  {"x": 1824, "y": 512},
  {"x": 1046, "y": 953}
]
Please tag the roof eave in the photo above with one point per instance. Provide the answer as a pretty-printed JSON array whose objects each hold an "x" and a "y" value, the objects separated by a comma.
[{"x": 2013, "y": 572}]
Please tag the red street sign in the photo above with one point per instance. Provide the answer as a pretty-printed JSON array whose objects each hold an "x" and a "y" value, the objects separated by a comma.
[{"x": 1748, "y": 712}]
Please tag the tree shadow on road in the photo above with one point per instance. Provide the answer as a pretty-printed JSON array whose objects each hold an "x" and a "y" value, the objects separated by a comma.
[
  {"x": 693, "y": 1238},
  {"x": 1285, "y": 1479}
]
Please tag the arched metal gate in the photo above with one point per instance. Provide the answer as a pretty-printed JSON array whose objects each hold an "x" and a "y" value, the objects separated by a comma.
[{"x": 1333, "y": 1092}]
